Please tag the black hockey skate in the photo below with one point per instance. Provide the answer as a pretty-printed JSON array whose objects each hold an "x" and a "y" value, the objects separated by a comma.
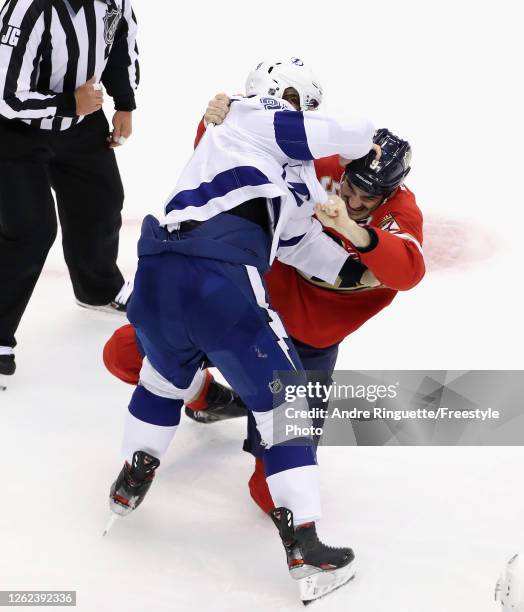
[
  {"x": 7, "y": 368},
  {"x": 133, "y": 482},
  {"x": 118, "y": 305},
  {"x": 319, "y": 569},
  {"x": 222, "y": 404}
]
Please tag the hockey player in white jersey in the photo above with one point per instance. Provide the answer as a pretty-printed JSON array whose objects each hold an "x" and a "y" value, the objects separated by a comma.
[{"x": 247, "y": 195}]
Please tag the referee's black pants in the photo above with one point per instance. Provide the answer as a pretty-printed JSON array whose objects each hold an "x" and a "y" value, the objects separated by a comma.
[{"x": 83, "y": 172}]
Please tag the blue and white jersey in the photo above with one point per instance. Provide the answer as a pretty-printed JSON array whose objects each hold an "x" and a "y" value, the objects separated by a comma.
[{"x": 265, "y": 149}]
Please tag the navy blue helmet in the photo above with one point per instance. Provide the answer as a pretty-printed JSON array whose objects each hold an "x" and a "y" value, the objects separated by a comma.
[{"x": 383, "y": 176}]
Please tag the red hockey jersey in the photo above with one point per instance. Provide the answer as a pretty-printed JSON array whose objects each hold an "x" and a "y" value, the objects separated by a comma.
[{"x": 319, "y": 314}]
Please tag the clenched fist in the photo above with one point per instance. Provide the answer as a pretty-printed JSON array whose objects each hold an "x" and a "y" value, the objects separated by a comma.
[
  {"x": 88, "y": 98},
  {"x": 334, "y": 214},
  {"x": 217, "y": 109}
]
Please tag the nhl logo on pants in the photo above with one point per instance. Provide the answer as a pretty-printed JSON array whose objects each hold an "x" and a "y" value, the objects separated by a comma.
[{"x": 276, "y": 386}]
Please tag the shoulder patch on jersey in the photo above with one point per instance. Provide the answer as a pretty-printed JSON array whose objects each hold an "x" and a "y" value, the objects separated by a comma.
[
  {"x": 111, "y": 21},
  {"x": 388, "y": 224},
  {"x": 273, "y": 104}
]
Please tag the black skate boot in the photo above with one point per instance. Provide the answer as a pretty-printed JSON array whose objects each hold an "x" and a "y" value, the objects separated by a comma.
[
  {"x": 221, "y": 403},
  {"x": 7, "y": 368},
  {"x": 133, "y": 482},
  {"x": 118, "y": 305},
  {"x": 319, "y": 569}
]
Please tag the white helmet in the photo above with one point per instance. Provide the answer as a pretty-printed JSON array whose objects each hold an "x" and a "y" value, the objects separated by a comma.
[
  {"x": 273, "y": 78},
  {"x": 510, "y": 587}
]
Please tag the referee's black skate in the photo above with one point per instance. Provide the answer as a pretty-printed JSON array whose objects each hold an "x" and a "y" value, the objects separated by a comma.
[
  {"x": 7, "y": 368},
  {"x": 133, "y": 482},
  {"x": 221, "y": 404},
  {"x": 118, "y": 305},
  {"x": 319, "y": 569}
]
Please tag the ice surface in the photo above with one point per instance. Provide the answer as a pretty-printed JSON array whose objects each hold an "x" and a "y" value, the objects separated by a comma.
[{"x": 432, "y": 527}]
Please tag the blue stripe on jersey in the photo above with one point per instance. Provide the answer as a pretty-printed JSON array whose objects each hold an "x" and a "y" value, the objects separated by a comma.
[
  {"x": 291, "y": 241},
  {"x": 154, "y": 409},
  {"x": 277, "y": 205},
  {"x": 298, "y": 190},
  {"x": 290, "y": 134},
  {"x": 286, "y": 457},
  {"x": 221, "y": 185}
]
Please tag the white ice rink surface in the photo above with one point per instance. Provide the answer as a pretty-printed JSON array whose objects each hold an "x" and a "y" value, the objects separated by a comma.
[{"x": 432, "y": 527}]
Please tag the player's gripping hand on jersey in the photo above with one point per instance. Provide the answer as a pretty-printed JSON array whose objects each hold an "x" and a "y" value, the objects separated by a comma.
[
  {"x": 217, "y": 109},
  {"x": 334, "y": 214}
]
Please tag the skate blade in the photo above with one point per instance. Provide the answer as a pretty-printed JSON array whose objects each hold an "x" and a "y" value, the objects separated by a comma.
[
  {"x": 206, "y": 417},
  {"x": 112, "y": 520},
  {"x": 322, "y": 583},
  {"x": 3, "y": 382}
]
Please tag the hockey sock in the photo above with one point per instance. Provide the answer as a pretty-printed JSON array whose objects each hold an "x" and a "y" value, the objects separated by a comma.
[
  {"x": 293, "y": 480},
  {"x": 151, "y": 423}
]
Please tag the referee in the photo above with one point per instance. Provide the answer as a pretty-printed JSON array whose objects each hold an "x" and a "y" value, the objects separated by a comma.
[{"x": 54, "y": 54}]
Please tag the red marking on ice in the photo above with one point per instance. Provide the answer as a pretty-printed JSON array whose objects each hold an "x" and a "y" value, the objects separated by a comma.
[{"x": 449, "y": 243}]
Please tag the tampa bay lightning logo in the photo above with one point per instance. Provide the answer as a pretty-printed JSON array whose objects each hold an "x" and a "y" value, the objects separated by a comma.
[
  {"x": 298, "y": 190},
  {"x": 297, "y": 61},
  {"x": 272, "y": 104}
]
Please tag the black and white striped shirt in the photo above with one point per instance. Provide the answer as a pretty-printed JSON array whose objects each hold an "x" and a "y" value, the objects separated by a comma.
[{"x": 49, "y": 48}]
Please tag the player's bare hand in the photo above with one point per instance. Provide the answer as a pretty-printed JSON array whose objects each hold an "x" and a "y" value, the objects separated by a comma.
[
  {"x": 217, "y": 109},
  {"x": 333, "y": 213},
  {"x": 89, "y": 98},
  {"x": 122, "y": 128}
]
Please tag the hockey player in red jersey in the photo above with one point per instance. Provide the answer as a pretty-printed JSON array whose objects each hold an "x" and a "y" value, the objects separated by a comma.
[
  {"x": 379, "y": 223},
  {"x": 384, "y": 236}
]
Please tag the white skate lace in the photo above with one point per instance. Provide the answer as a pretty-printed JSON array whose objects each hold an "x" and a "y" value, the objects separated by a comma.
[{"x": 125, "y": 293}]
